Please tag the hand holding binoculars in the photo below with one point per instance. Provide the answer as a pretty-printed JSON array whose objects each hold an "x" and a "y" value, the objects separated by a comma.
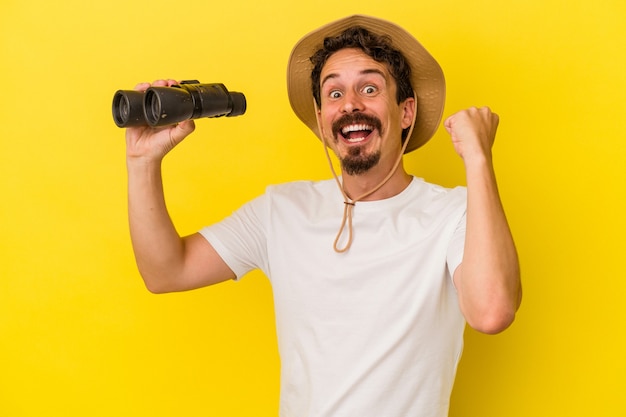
[{"x": 161, "y": 106}]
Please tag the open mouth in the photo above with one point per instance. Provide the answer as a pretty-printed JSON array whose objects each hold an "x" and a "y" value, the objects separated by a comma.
[
  {"x": 356, "y": 127},
  {"x": 356, "y": 132}
]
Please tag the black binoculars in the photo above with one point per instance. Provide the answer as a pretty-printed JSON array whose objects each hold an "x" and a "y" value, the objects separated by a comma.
[{"x": 161, "y": 106}]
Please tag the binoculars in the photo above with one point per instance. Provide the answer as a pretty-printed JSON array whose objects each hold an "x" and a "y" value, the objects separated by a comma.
[{"x": 161, "y": 106}]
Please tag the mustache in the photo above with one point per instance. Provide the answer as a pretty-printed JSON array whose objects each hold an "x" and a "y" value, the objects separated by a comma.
[{"x": 355, "y": 118}]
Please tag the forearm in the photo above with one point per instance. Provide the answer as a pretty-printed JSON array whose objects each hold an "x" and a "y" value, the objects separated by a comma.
[
  {"x": 489, "y": 279},
  {"x": 159, "y": 250}
]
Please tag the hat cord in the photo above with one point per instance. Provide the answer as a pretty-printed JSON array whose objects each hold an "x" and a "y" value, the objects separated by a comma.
[{"x": 348, "y": 203}]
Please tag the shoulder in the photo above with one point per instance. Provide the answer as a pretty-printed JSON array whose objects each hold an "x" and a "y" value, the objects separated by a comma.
[{"x": 434, "y": 194}]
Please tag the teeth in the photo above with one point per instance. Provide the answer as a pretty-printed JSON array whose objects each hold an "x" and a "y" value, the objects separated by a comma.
[{"x": 356, "y": 128}]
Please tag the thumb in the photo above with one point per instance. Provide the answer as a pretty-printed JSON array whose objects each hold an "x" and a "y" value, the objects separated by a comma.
[{"x": 182, "y": 130}]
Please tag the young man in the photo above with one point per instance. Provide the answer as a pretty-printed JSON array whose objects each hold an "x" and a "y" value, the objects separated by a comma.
[{"x": 370, "y": 324}]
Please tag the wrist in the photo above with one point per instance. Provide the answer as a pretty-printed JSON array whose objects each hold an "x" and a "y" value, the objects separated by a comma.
[
  {"x": 478, "y": 162},
  {"x": 139, "y": 164}
]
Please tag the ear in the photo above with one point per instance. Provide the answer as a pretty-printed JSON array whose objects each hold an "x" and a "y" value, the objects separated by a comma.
[
  {"x": 318, "y": 114},
  {"x": 409, "y": 108},
  {"x": 318, "y": 117}
]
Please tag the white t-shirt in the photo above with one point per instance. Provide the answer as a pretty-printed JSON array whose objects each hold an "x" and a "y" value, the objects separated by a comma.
[{"x": 372, "y": 332}]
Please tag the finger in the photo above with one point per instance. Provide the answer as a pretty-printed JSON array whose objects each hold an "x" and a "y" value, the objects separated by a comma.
[
  {"x": 496, "y": 120},
  {"x": 186, "y": 127},
  {"x": 142, "y": 86},
  {"x": 171, "y": 82},
  {"x": 448, "y": 123},
  {"x": 160, "y": 83},
  {"x": 182, "y": 130}
]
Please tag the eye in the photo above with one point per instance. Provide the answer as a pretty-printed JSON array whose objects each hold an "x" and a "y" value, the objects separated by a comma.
[
  {"x": 334, "y": 94},
  {"x": 369, "y": 89}
]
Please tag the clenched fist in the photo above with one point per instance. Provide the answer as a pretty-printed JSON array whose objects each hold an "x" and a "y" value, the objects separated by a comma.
[{"x": 473, "y": 132}]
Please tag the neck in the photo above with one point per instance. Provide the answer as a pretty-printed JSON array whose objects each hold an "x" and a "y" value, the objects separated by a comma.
[{"x": 356, "y": 186}]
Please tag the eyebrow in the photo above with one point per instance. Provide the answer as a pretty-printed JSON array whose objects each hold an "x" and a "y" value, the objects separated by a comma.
[{"x": 364, "y": 72}]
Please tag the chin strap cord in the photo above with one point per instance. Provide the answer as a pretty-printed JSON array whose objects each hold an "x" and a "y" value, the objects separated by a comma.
[{"x": 348, "y": 203}]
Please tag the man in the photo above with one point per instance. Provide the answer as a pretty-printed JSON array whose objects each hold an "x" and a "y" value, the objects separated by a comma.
[{"x": 372, "y": 324}]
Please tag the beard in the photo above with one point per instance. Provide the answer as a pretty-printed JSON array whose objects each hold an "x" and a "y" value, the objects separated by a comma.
[{"x": 357, "y": 161}]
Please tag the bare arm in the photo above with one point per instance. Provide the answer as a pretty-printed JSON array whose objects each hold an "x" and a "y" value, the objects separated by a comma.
[
  {"x": 166, "y": 261},
  {"x": 488, "y": 279}
]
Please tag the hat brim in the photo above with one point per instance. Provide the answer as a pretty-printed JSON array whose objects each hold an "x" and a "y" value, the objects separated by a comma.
[{"x": 426, "y": 75}]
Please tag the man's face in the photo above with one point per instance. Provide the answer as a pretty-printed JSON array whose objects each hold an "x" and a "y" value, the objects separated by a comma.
[{"x": 360, "y": 116}]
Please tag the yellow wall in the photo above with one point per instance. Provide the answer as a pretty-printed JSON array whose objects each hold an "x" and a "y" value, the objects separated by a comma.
[{"x": 80, "y": 336}]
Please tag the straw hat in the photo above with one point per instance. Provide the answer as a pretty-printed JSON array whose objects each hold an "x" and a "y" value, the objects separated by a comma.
[{"x": 427, "y": 77}]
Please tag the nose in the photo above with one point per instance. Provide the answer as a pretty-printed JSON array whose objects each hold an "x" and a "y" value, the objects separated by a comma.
[{"x": 351, "y": 103}]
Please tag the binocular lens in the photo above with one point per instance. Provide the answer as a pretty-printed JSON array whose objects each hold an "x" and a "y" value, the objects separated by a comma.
[
  {"x": 128, "y": 108},
  {"x": 160, "y": 106},
  {"x": 152, "y": 107},
  {"x": 124, "y": 109}
]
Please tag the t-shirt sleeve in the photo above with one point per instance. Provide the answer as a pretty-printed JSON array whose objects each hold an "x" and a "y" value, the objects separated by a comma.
[
  {"x": 240, "y": 239},
  {"x": 454, "y": 257}
]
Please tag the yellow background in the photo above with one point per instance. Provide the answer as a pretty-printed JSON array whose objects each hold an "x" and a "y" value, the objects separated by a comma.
[{"x": 80, "y": 336}]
